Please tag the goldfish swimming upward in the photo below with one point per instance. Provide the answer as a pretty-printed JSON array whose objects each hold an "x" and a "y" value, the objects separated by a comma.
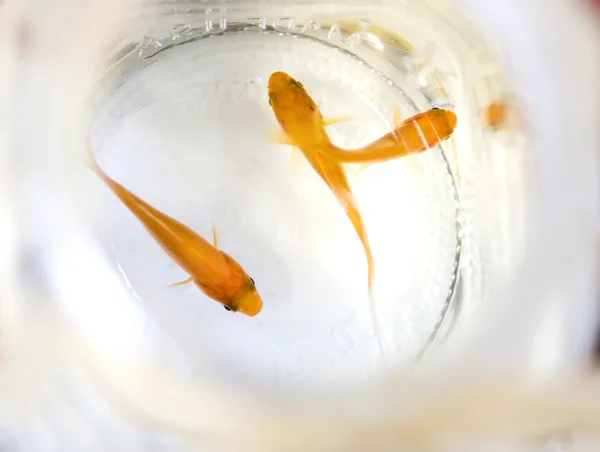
[
  {"x": 304, "y": 126},
  {"x": 213, "y": 271}
]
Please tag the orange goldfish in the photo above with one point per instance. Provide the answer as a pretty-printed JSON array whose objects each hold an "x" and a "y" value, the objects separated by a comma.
[
  {"x": 417, "y": 134},
  {"x": 411, "y": 136},
  {"x": 304, "y": 126},
  {"x": 495, "y": 115},
  {"x": 213, "y": 271}
]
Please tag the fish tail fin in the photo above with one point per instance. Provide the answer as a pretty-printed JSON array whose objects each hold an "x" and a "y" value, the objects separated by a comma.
[
  {"x": 356, "y": 219},
  {"x": 371, "y": 266},
  {"x": 89, "y": 160},
  {"x": 351, "y": 207},
  {"x": 377, "y": 332},
  {"x": 369, "y": 255}
]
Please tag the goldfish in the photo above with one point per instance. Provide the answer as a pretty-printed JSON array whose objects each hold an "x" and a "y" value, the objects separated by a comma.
[
  {"x": 505, "y": 114},
  {"x": 213, "y": 271},
  {"x": 417, "y": 133},
  {"x": 414, "y": 135},
  {"x": 304, "y": 127},
  {"x": 495, "y": 115}
]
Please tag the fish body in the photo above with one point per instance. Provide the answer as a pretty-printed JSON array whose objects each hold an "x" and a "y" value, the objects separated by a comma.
[
  {"x": 213, "y": 271},
  {"x": 414, "y": 135}
]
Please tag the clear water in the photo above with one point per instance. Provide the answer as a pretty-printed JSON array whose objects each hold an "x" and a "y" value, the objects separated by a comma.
[
  {"x": 110, "y": 379},
  {"x": 182, "y": 121}
]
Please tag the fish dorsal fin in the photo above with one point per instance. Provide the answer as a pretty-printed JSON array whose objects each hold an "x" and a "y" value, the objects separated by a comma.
[
  {"x": 337, "y": 119},
  {"x": 181, "y": 283},
  {"x": 215, "y": 240}
]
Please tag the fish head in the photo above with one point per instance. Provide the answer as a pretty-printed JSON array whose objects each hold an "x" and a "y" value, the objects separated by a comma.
[
  {"x": 247, "y": 301},
  {"x": 443, "y": 120},
  {"x": 294, "y": 109},
  {"x": 239, "y": 293},
  {"x": 495, "y": 114}
]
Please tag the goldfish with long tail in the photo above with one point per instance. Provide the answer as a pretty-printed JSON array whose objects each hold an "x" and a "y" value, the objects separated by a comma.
[
  {"x": 214, "y": 272},
  {"x": 304, "y": 128}
]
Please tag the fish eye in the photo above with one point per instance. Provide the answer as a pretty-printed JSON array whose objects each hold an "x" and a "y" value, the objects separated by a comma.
[
  {"x": 270, "y": 103},
  {"x": 436, "y": 108},
  {"x": 299, "y": 84},
  {"x": 252, "y": 281},
  {"x": 227, "y": 308}
]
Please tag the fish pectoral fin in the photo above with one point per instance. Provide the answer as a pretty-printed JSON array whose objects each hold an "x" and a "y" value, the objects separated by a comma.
[
  {"x": 363, "y": 167},
  {"x": 457, "y": 167},
  {"x": 181, "y": 283},
  {"x": 397, "y": 118},
  {"x": 295, "y": 157},
  {"x": 357, "y": 169},
  {"x": 337, "y": 120},
  {"x": 279, "y": 136},
  {"x": 215, "y": 240},
  {"x": 414, "y": 163}
]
